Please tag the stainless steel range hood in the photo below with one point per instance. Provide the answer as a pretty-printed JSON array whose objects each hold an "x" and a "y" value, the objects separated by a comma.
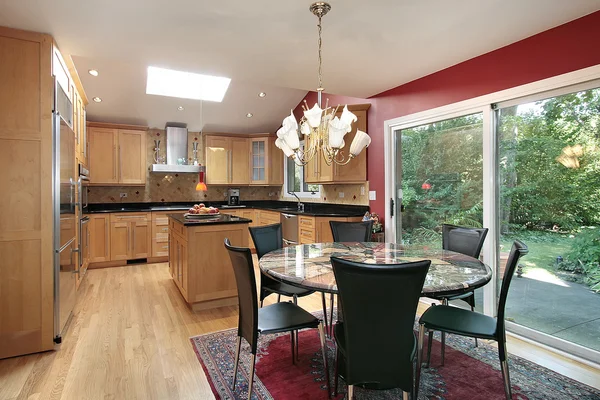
[{"x": 177, "y": 147}]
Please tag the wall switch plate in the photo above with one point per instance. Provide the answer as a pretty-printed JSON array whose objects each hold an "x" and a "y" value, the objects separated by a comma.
[
  {"x": 341, "y": 194},
  {"x": 372, "y": 195},
  {"x": 123, "y": 195},
  {"x": 362, "y": 190}
]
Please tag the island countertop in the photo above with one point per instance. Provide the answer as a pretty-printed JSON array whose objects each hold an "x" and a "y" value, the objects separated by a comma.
[{"x": 213, "y": 220}]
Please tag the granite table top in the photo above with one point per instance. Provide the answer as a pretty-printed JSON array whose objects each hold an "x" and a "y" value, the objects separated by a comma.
[{"x": 309, "y": 265}]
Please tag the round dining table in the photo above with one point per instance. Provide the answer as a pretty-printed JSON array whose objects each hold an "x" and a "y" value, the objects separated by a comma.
[{"x": 309, "y": 266}]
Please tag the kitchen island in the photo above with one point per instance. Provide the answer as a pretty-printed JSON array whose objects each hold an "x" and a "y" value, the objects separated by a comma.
[{"x": 198, "y": 260}]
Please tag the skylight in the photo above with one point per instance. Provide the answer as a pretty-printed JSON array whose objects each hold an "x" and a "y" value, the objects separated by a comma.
[{"x": 186, "y": 85}]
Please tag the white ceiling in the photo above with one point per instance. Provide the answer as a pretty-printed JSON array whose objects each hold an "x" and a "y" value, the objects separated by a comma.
[{"x": 269, "y": 45}]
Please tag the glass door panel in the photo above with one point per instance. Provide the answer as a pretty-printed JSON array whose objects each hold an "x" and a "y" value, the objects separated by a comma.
[
  {"x": 439, "y": 166},
  {"x": 549, "y": 197}
]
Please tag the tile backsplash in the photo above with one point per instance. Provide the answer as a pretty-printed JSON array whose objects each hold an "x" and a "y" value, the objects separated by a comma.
[{"x": 182, "y": 187}]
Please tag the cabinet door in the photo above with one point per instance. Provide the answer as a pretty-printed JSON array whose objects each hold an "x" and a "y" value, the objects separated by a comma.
[
  {"x": 99, "y": 244},
  {"x": 258, "y": 161},
  {"x": 355, "y": 170},
  {"x": 120, "y": 241},
  {"x": 83, "y": 143},
  {"x": 140, "y": 240},
  {"x": 172, "y": 254},
  {"x": 325, "y": 171},
  {"x": 217, "y": 160},
  {"x": 239, "y": 162},
  {"x": 132, "y": 157},
  {"x": 275, "y": 159},
  {"x": 102, "y": 158}
]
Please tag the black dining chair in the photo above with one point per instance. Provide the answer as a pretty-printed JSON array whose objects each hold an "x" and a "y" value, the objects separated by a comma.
[
  {"x": 347, "y": 232},
  {"x": 275, "y": 318},
  {"x": 351, "y": 231},
  {"x": 268, "y": 238},
  {"x": 463, "y": 322},
  {"x": 464, "y": 240},
  {"x": 376, "y": 344}
]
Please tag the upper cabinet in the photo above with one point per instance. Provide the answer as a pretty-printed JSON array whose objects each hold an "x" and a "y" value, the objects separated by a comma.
[
  {"x": 227, "y": 160},
  {"x": 317, "y": 170},
  {"x": 266, "y": 162},
  {"x": 117, "y": 154},
  {"x": 243, "y": 160}
]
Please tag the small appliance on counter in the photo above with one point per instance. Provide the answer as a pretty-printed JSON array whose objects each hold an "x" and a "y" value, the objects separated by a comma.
[{"x": 233, "y": 197}]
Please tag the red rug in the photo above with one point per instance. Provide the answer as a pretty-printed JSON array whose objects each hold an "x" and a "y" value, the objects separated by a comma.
[{"x": 469, "y": 372}]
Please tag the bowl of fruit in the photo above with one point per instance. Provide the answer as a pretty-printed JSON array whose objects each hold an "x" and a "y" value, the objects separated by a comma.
[{"x": 199, "y": 211}]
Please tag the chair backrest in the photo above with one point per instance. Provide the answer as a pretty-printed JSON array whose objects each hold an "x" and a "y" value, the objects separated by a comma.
[
  {"x": 266, "y": 238},
  {"x": 380, "y": 303},
  {"x": 351, "y": 231},
  {"x": 518, "y": 250},
  {"x": 241, "y": 259},
  {"x": 463, "y": 240}
]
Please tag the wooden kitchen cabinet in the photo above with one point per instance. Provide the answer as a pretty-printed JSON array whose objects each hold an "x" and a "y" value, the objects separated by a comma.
[
  {"x": 317, "y": 170},
  {"x": 266, "y": 162},
  {"x": 117, "y": 154},
  {"x": 130, "y": 236},
  {"x": 227, "y": 160},
  {"x": 317, "y": 229},
  {"x": 99, "y": 229},
  {"x": 160, "y": 234}
]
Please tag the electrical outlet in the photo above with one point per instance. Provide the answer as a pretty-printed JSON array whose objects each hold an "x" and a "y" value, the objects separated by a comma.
[
  {"x": 372, "y": 195},
  {"x": 362, "y": 190},
  {"x": 123, "y": 195},
  {"x": 341, "y": 194}
]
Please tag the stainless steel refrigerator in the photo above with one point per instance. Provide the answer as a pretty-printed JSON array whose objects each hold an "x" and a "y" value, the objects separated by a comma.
[{"x": 65, "y": 222}]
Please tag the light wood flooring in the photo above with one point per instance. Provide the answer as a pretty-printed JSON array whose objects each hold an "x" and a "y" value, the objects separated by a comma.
[{"x": 129, "y": 339}]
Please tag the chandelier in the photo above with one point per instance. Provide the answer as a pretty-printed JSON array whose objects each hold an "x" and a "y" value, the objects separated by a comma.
[{"x": 323, "y": 131}]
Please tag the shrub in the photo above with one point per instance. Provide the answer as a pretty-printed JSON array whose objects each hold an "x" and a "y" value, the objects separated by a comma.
[{"x": 585, "y": 256}]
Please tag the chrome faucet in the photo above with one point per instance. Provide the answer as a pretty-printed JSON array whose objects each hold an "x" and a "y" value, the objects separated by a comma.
[{"x": 300, "y": 204}]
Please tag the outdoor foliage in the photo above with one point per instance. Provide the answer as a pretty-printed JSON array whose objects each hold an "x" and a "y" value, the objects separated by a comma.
[{"x": 584, "y": 257}]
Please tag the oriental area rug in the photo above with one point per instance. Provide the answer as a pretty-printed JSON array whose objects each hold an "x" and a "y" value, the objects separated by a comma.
[{"x": 469, "y": 372}]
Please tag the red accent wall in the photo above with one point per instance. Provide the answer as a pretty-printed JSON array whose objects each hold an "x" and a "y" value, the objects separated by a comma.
[{"x": 559, "y": 50}]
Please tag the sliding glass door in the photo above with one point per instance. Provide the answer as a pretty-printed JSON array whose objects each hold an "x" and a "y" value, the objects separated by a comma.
[
  {"x": 439, "y": 179},
  {"x": 548, "y": 176}
]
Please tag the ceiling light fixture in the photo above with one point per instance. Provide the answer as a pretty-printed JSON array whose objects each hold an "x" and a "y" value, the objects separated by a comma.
[
  {"x": 324, "y": 131},
  {"x": 93, "y": 72},
  {"x": 186, "y": 85},
  {"x": 262, "y": 94},
  {"x": 180, "y": 108},
  {"x": 97, "y": 99},
  {"x": 249, "y": 115}
]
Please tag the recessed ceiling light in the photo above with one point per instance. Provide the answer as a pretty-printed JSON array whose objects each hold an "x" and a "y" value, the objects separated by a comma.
[
  {"x": 249, "y": 115},
  {"x": 97, "y": 99},
  {"x": 262, "y": 94},
  {"x": 93, "y": 72},
  {"x": 186, "y": 85},
  {"x": 180, "y": 108}
]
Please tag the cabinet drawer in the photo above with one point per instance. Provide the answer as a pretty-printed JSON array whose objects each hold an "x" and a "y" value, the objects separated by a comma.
[
  {"x": 308, "y": 234},
  {"x": 160, "y": 230},
  {"x": 306, "y": 222},
  {"x": 161, "y": 236},
  {"x": 160, "y": 248},
  {"x": 177, "y": 228},
  {"x": 130, "y": 217}
]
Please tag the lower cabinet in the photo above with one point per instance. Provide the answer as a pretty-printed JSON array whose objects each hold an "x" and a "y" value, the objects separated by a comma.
[
  {"x": 178, "y": 263},
  {"x": 99, "y": 244},
  {"x": 130, "y": 236},
  {"x": 160, "y": 234},
  {"x": 317, "y": 229}
]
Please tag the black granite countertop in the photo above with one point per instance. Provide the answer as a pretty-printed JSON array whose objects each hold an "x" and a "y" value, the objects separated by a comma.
[
  {"x": 213, "y": 220},
  {"x": 311, "y": 209}
]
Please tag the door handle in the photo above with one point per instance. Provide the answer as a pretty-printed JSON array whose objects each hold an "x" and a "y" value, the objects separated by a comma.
[{"x": 391, "y": 207}]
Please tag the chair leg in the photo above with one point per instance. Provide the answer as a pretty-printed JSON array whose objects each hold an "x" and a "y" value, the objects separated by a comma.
[
  {"x": 278, "y": 298},
  {"x": 331, "y": 316},
  {"x": 237, "y": 359},
  {"x": 404, "y": 395},
  {"x": 473, "y": 309},
  {"x": 324, "y": 301},
  {"x": 429, "y": 344},
  {"x": 443, "y": 347},
  {"x": 350, "y": 392},
  {"x": 504, "y": 368},
  {"x": 292, "y": 341},
  {"x": 251, "y": 378},
  {"x": 419, "y": 359},
  {"x": 324, "y": 351},
  {"x": 336, "y": 377}
]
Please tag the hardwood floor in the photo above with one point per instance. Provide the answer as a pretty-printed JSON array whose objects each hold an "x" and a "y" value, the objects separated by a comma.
[{"x": 129, "y": 339}]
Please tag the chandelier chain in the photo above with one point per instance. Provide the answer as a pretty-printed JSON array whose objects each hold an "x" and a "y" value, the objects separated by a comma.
[{"x": 320, "y": 58}]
